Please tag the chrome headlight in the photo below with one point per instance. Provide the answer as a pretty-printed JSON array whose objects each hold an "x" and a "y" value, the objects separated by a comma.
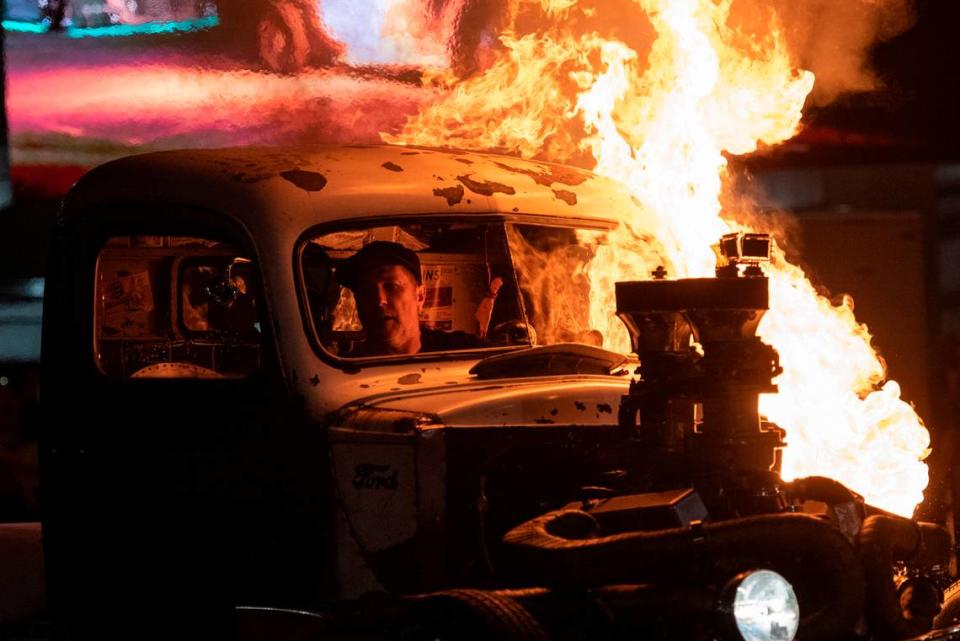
[{"x": 763, "y": 606}]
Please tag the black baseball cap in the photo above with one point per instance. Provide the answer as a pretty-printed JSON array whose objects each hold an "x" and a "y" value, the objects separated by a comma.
[{"x": 377, "y": 254}]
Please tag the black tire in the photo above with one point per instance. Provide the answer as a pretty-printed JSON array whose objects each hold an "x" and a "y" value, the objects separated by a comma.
[{"x": 469, "y": 615}]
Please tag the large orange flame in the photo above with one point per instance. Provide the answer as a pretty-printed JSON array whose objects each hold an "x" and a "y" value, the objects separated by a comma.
[{"x": 661, "y": 123}]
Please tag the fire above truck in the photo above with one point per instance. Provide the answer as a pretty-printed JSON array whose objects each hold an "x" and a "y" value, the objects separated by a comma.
[{"x": 229, "y": 446}]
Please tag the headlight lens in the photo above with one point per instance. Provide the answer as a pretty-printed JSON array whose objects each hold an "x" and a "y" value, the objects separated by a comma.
[{"x": 765, "y": 607}]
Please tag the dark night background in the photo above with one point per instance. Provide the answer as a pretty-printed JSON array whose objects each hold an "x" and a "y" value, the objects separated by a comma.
[{"x": 914, "y": 116}]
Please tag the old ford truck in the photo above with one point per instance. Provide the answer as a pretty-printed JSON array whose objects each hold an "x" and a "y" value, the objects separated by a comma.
[{"x": 218, "y": 459}]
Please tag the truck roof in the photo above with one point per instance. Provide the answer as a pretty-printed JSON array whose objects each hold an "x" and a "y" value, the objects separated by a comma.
[{"x": 303, "y": 186}]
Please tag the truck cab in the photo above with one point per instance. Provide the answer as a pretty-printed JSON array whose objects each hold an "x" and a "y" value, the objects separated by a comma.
[{"x": 211, "y": 439}]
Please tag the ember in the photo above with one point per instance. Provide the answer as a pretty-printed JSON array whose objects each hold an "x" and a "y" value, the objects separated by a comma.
[{"x": 660, "y": 120}]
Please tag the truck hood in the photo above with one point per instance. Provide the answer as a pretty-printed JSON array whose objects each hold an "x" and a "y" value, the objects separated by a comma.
[
  {"x": 561, "y": 384},
  {"x": 540, "y": 401}
]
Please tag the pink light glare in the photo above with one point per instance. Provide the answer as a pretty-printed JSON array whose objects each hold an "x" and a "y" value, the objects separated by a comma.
[{"x": 196, "y": 106}]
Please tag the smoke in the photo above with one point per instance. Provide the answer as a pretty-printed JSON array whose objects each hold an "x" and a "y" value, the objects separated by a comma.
[
  {"x": 392, "y": 32},
  {"x": 834, "y": 40}
]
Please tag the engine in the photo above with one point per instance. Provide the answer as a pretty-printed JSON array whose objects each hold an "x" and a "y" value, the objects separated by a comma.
[{"x": 669, "y": 562}]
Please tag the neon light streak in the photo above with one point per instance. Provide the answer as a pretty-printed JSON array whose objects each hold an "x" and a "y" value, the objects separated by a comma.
[{"x": 117, "y": 30}]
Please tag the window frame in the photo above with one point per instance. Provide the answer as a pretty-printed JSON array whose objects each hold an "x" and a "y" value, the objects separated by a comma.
[
  {"x": 102, "y": 222},
  {"x": 366, "y": 222}
]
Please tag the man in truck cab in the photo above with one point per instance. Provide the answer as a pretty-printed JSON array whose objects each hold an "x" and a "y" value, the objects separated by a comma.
[{"x": 387, "y": 283}]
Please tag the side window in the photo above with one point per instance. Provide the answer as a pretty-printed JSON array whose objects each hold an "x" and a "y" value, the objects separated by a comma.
[{"x": 176, "y": 307}]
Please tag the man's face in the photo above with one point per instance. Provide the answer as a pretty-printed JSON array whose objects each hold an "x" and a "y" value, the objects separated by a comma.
[{"x": 389, "y": 302}]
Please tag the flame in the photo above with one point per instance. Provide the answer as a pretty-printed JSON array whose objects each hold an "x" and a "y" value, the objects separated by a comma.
[
  {"x": 533, "y": 78},
  {"x": 842, "y": 420},
  {"x": 660, "y": 121}
]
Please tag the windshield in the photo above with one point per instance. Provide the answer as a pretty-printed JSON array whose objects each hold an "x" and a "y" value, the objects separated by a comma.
[{"x": 419, "y": 287}]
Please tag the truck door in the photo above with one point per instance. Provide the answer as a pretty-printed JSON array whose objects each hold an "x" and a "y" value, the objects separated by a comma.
[{"x": 179, "y": 477}]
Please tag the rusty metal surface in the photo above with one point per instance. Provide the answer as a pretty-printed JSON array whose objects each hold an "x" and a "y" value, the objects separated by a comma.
[{"x": 311, "y": 185}]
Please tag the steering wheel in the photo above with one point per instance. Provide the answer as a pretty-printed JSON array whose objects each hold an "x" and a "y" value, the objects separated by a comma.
[
  {"x": 512, "y": 332},
  {"x": 176, "y": 370}
]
